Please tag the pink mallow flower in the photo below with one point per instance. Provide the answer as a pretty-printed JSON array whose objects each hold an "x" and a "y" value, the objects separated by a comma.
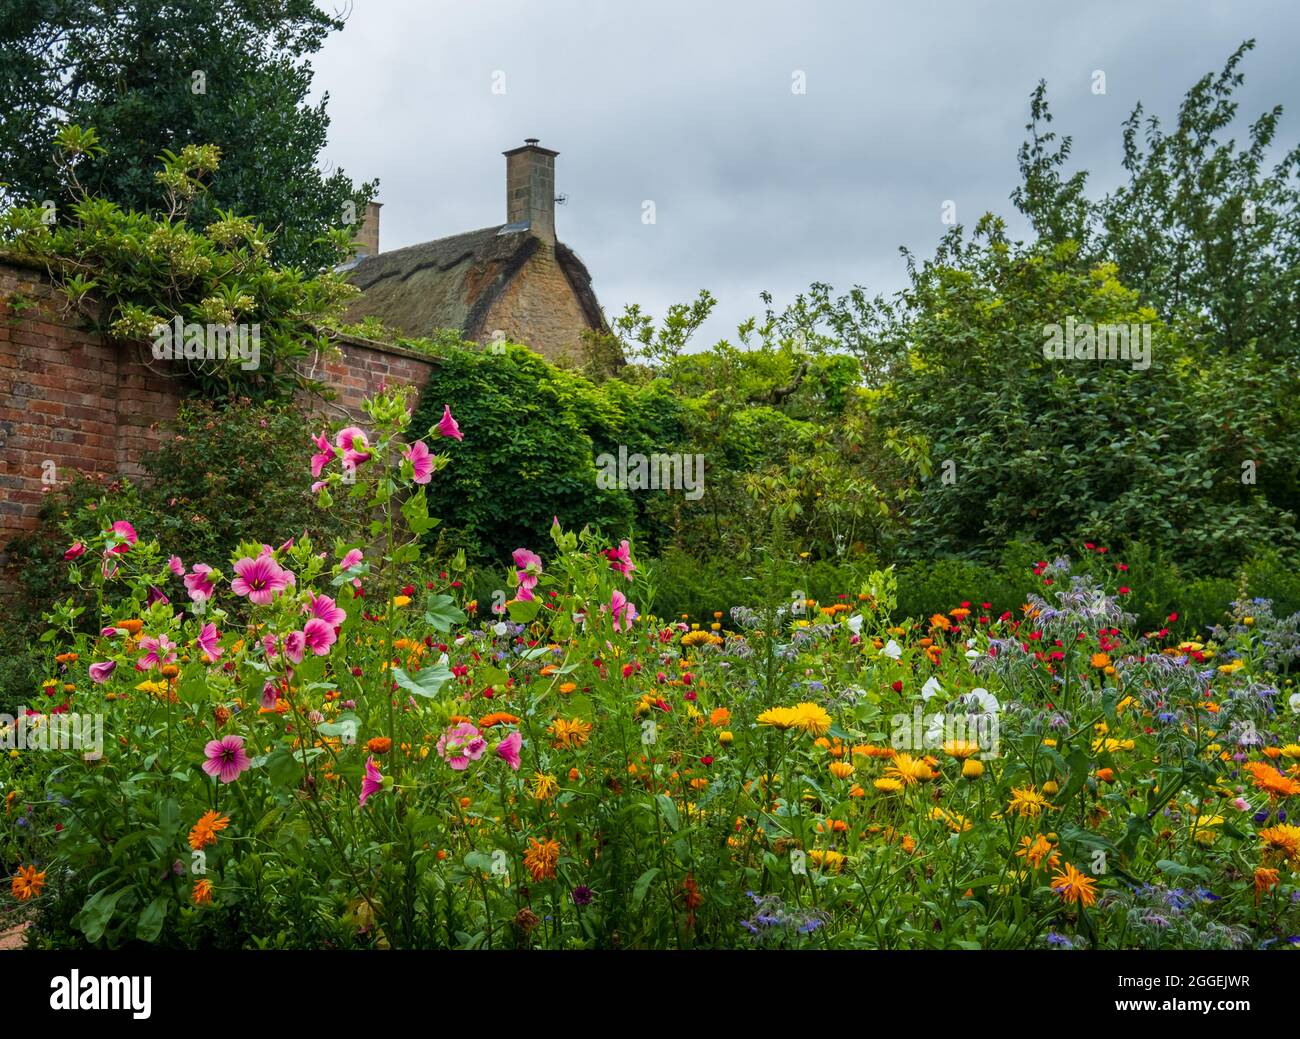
[
  {"x": 421, "y": 461},
  {"x": 75, "y": 552},
  {"x": 260, "y": 579},
  {"x": 508, "y": 749},
  {"x": 620, "y": 559},
  {"x": 125, "y": 531},
  {"x": 528, "y": 565},
  {"x": 356, "y": 449},
  {"x": 294, "y": 645},
  {"x": 447, "y": 425},
  {"x": 324, "y": 608},
  {"x": 318, "y": 636},
  {"x": 620, "y": 607},
  {"x": 99, "y": 672},
  {"x": 158, "y": 651},
  {"x": 323, "y": 456},
  {"x": 460, "y": 745},
  {"x": 208, "y": 642},
  {"x": 373, "y": 782},
  {"x": 226, "y": 758},
  {"x": 175, "y": 565},
  {"x": 198, "y": 583}
]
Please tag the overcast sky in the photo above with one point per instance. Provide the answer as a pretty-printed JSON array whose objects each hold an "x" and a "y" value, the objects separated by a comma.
[{"x": 691, "y": 105}]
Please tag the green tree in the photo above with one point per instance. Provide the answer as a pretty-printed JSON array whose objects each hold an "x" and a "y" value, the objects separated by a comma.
[{"x": 157, "y": 75}]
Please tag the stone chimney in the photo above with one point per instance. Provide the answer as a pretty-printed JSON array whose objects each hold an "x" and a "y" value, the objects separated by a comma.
[
  {"x": 530, "y": 189},
  {"x": 368, "y": 235}
]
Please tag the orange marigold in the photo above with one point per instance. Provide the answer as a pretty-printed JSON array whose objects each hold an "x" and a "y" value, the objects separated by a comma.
[
  {"x": 206, "y": 829},
  {"x": 27, "y": 883},
  {"x": 541, "y": 858}
]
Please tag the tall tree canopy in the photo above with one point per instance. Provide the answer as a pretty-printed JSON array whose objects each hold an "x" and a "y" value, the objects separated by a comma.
[{"x": 151, "y": 75}]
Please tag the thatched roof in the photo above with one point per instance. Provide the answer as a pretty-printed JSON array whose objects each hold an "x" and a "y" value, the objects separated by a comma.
[{"x": 453, "y": 282}]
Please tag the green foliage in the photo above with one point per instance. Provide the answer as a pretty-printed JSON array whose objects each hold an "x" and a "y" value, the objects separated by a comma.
[
  {"x": 135, "y": 274},
  {"x": 154, "y": 77},
  {"x": 531, "y": 432}
]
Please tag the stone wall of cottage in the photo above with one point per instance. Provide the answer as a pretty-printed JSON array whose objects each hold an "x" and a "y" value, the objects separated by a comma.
[
  {"x": 70, "y": 402},
  {"x": 539, "y": 308}
]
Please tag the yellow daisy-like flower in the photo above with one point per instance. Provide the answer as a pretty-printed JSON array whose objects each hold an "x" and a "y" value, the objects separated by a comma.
[
  {"x": 961, "y": 749},
  {"x": 955, "y": 822},
  {"x": 545, "y": 786},
  {"x": 830, "y": 861},
  {"x": 778, "y": 717},
  {"x": 1026, "y": 801},
  {"x": 841, "y": 769},
  {"x": 888, "y": 786},
  {"x": 908, "y": 770},
  {"x": 812, "y": 719}
]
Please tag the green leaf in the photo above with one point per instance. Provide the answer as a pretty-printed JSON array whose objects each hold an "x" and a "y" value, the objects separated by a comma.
[
  {"x": 642, "y": 885},
  {"x": 524, "y": 611},
  {"x": 669, "y": 809},
  {"x": 443, "y": 613},
  {"x": 152, "y": 918},
  {"x": 428, "y": 681}
]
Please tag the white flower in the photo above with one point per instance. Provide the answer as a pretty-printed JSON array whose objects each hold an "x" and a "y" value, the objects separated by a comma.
[
  {"x": 987, "y": 701},
  {"x": 934, "y": 731},
  {"x": 1295, "y": 702},
  {"x": 892, "y": 650},
  {"x": 972, "y": 654},
  {"x": 499, "y": 628},
  {"x": 461, "y": 639},
  {"x": 930, "y": 688},
  {"x": 855, "y": 624}
]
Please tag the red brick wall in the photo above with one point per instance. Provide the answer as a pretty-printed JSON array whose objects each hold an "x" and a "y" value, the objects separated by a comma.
[{"x": 69, "y": 399}]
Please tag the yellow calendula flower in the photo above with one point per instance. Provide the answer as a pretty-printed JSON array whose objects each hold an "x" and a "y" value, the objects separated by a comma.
[
  {"x": 401, "y": 600},
  {"x": 888, "y": 786},
  {"x": 778, "y": 717},
  {"x": 841, "y": 769},
  {"x": 1026, "y": 801},
  {"x": 545, "y": 786},
  {"x": 812, "y": 719},
  {"x": 908, "y": 770}
]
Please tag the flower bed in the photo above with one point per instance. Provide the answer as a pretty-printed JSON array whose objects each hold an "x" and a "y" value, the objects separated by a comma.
[{"x": 326, "y": 746}]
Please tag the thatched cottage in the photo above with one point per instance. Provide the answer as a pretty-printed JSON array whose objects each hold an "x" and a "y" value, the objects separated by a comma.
[{"x": 514, "y": 279}]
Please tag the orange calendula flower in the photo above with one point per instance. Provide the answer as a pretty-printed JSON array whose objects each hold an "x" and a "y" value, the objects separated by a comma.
[
  {"x": 206, "y": 829},
  {"x": 379, "y": 745},
  {"x": 720, "y": 718},
  {"x": 1100, "y": 660},
  {"x": 26, "y": 884},
  {"x": 1284, "y": 838},
  {"x": 1268, "y": 778},
  {"x": 1265, "y": 881},
  {"x": 541, "y": 858},
  {"x": 1036, "y": 849},
  {"x": 841, "y": 769},
  {"x": 940, "y": 622},
  {"x": 568, "y": 687},
  {"x": 569, "y": 733},
  {"x": 202, "y": 893},
  {"x": 1074, "y": 886},
  {"x": 495, "y": 718}
]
